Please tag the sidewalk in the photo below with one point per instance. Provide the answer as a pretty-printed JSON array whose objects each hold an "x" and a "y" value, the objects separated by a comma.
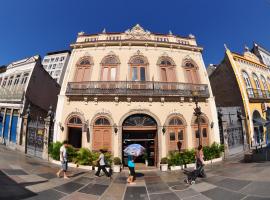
[{"x": 22, "y": 176}]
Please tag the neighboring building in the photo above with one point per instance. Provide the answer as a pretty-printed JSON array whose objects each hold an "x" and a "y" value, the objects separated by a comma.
[
  {"x": 243, "y": 81},
  {"x": 262, "y": 54},
  {"x": 24, "y": 83},
  {"x": 55, "y": 63},
  {"x": 135, "y": 86},
  {"x": 210, "y": 69},
  {"x": 3, "y": 68}
]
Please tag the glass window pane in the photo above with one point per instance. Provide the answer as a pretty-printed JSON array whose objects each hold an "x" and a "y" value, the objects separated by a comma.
[
  {"x": 105, "y": 74},
  {"x": 172, "y": 136},
  {"x": 197, "y": 134},
  {"x": 204, "y": 132},
  {"x": 142, "y": 73},
  {"x": 180, "y": 135},
  {"x": 113, "y": 74},
  {"x": 134, "y": 74}
]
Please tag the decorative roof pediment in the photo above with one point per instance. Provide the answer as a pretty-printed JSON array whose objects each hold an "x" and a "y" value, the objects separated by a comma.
[
  {"x": 138, "y": 33},
  {"x": 250, "y": 56}
]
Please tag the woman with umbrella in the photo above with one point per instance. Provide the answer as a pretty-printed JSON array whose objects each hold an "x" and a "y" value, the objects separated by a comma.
[
  {"x": 133, "y": 151},
  {"x": 131, "y": 167}
]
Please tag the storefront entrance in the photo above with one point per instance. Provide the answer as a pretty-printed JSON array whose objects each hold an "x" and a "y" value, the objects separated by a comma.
[
  {"x": 75, "y": 131},
  {"x": 141, "y": 129},
  {"x": 75, "y": 137}
]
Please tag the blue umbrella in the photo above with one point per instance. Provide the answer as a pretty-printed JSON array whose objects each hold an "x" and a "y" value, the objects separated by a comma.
[{"x": 134, "y": 150}]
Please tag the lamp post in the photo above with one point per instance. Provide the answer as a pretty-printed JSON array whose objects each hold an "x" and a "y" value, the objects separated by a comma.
[{"x": 197, "y": 113}]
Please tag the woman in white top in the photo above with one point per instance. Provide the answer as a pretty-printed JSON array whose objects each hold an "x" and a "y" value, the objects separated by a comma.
[{"x": 102, "y": 165}]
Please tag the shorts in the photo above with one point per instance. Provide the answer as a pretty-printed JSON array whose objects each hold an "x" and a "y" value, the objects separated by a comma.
[
  {"x": 132, "y": 171},
  {"x": 64, "y": 165}
]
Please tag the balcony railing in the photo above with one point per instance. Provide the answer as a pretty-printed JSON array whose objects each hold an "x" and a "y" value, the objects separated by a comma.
[
  {"x": 136, "y": 88},
  {"x": 258, "y": 94},
  {"x": 11, "y": 95}
]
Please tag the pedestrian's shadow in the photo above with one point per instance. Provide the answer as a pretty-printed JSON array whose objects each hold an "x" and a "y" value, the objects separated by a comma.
[{"x": 139, "y": 175}]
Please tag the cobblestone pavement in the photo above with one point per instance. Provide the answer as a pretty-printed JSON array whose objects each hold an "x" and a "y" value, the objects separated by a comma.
[{"x": 25, "y": 177}]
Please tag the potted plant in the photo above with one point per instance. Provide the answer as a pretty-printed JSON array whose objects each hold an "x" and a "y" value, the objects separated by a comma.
[
  {"x": 116, "y": 164},
  {"x": 145, "y": 157},
  {"x": 164, "y": 164},
  {"x": 95, "y": 156},
  {"x": 175, "y": 161}
]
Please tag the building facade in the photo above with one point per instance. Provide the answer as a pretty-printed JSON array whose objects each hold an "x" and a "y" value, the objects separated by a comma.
[
  {"x": 262, "y": 53},
  {"x": 24, "y": 83},
  {"x": 135, "y": 87},
  {"x": 243, "y": 81},
  {"x": 55, "y": 63}
]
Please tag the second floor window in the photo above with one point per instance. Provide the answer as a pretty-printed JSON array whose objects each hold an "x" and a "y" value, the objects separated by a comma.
[
  {"x": 256, "y": 80},
  {"x": 17, "y": 79},
  {"x": 10, "y": 80},
  {"x": 109, "y": 69},
  {"x": 24, "y": 79},
  {"x": 138, "y": 68},
  {"x": 191, "y": 71},
  {"x": 167, "y": 69},
  {"x": 264, "y": 83},
  {"x": 83, "y": 69}
]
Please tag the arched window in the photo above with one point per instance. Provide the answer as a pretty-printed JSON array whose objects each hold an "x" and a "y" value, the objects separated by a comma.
[
  {"x": 258, "y": 85},
  {"x": 75, "y": 121},
  {"x": 102, "y": 121},
  {"x": 167, "y": 69},
  {"x": 138, "y": 66},
  {"x": 83, "y": 69},
  {"x": 109, "y": 68},
  {"x": 248, "y": 84},
  {"x": 175, "y": 122},
  {"x": 102, "y": 134},
  {"x": 264, "y": 83},
  {"x": 191, "y": 71},
  {"x": 176, "y": 134}
]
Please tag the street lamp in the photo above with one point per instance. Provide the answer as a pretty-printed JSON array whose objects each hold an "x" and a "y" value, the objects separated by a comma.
[{"x": 197, "y": 113}]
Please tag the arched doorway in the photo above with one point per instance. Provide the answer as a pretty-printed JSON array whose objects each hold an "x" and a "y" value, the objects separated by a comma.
[
  {"x": 75, "y": 131},
  {"x": 141, "y": 129},
  {"x": 102, "y": 135},
  {"x": 258, "y": 127},
  {"x": 204, "y": 131},
  {"x": 176, "y": 134}
]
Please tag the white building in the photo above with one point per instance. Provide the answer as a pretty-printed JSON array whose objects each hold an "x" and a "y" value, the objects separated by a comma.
[
  {"x": 24, "y": 83},
  {"x": 55, "y": 63}
]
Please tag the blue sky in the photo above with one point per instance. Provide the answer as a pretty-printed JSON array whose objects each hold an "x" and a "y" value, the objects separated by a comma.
[{"x": 29, "y": 27}]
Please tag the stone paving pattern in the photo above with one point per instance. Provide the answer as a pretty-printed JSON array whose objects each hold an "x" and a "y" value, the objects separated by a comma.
[{"x": 25, "y": 177}]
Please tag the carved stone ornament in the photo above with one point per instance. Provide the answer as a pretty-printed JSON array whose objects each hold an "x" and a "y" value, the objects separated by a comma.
[
  {"x": 103, "y": 112},
  {"x": 138, "y": 33}
]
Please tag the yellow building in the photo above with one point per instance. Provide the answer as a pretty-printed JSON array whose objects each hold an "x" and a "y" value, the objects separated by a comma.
[{"x": 243, "y": 81}]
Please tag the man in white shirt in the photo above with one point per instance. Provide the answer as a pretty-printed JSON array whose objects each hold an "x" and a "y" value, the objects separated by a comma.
[
  {"x": 64, "y": 160},
  {"x": 101, "y": 164}
]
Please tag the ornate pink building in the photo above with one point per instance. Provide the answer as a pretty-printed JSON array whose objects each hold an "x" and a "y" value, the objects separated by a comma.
[{"x": 135, "y": 87}]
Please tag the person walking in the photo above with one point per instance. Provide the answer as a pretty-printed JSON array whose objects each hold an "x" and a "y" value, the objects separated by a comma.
[
  {"x": 64, "y": 160},
  {"x": 102, "y": 165},
  {"x": 131, "y": 167},
  {"x": 200, "y": 161}
]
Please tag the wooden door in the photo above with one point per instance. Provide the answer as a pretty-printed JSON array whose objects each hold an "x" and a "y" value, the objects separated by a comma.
[
  {"x": 176, "y": 134},
  {"x": 204, "y": 136},
  {"x": 102, "y": 138}
]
